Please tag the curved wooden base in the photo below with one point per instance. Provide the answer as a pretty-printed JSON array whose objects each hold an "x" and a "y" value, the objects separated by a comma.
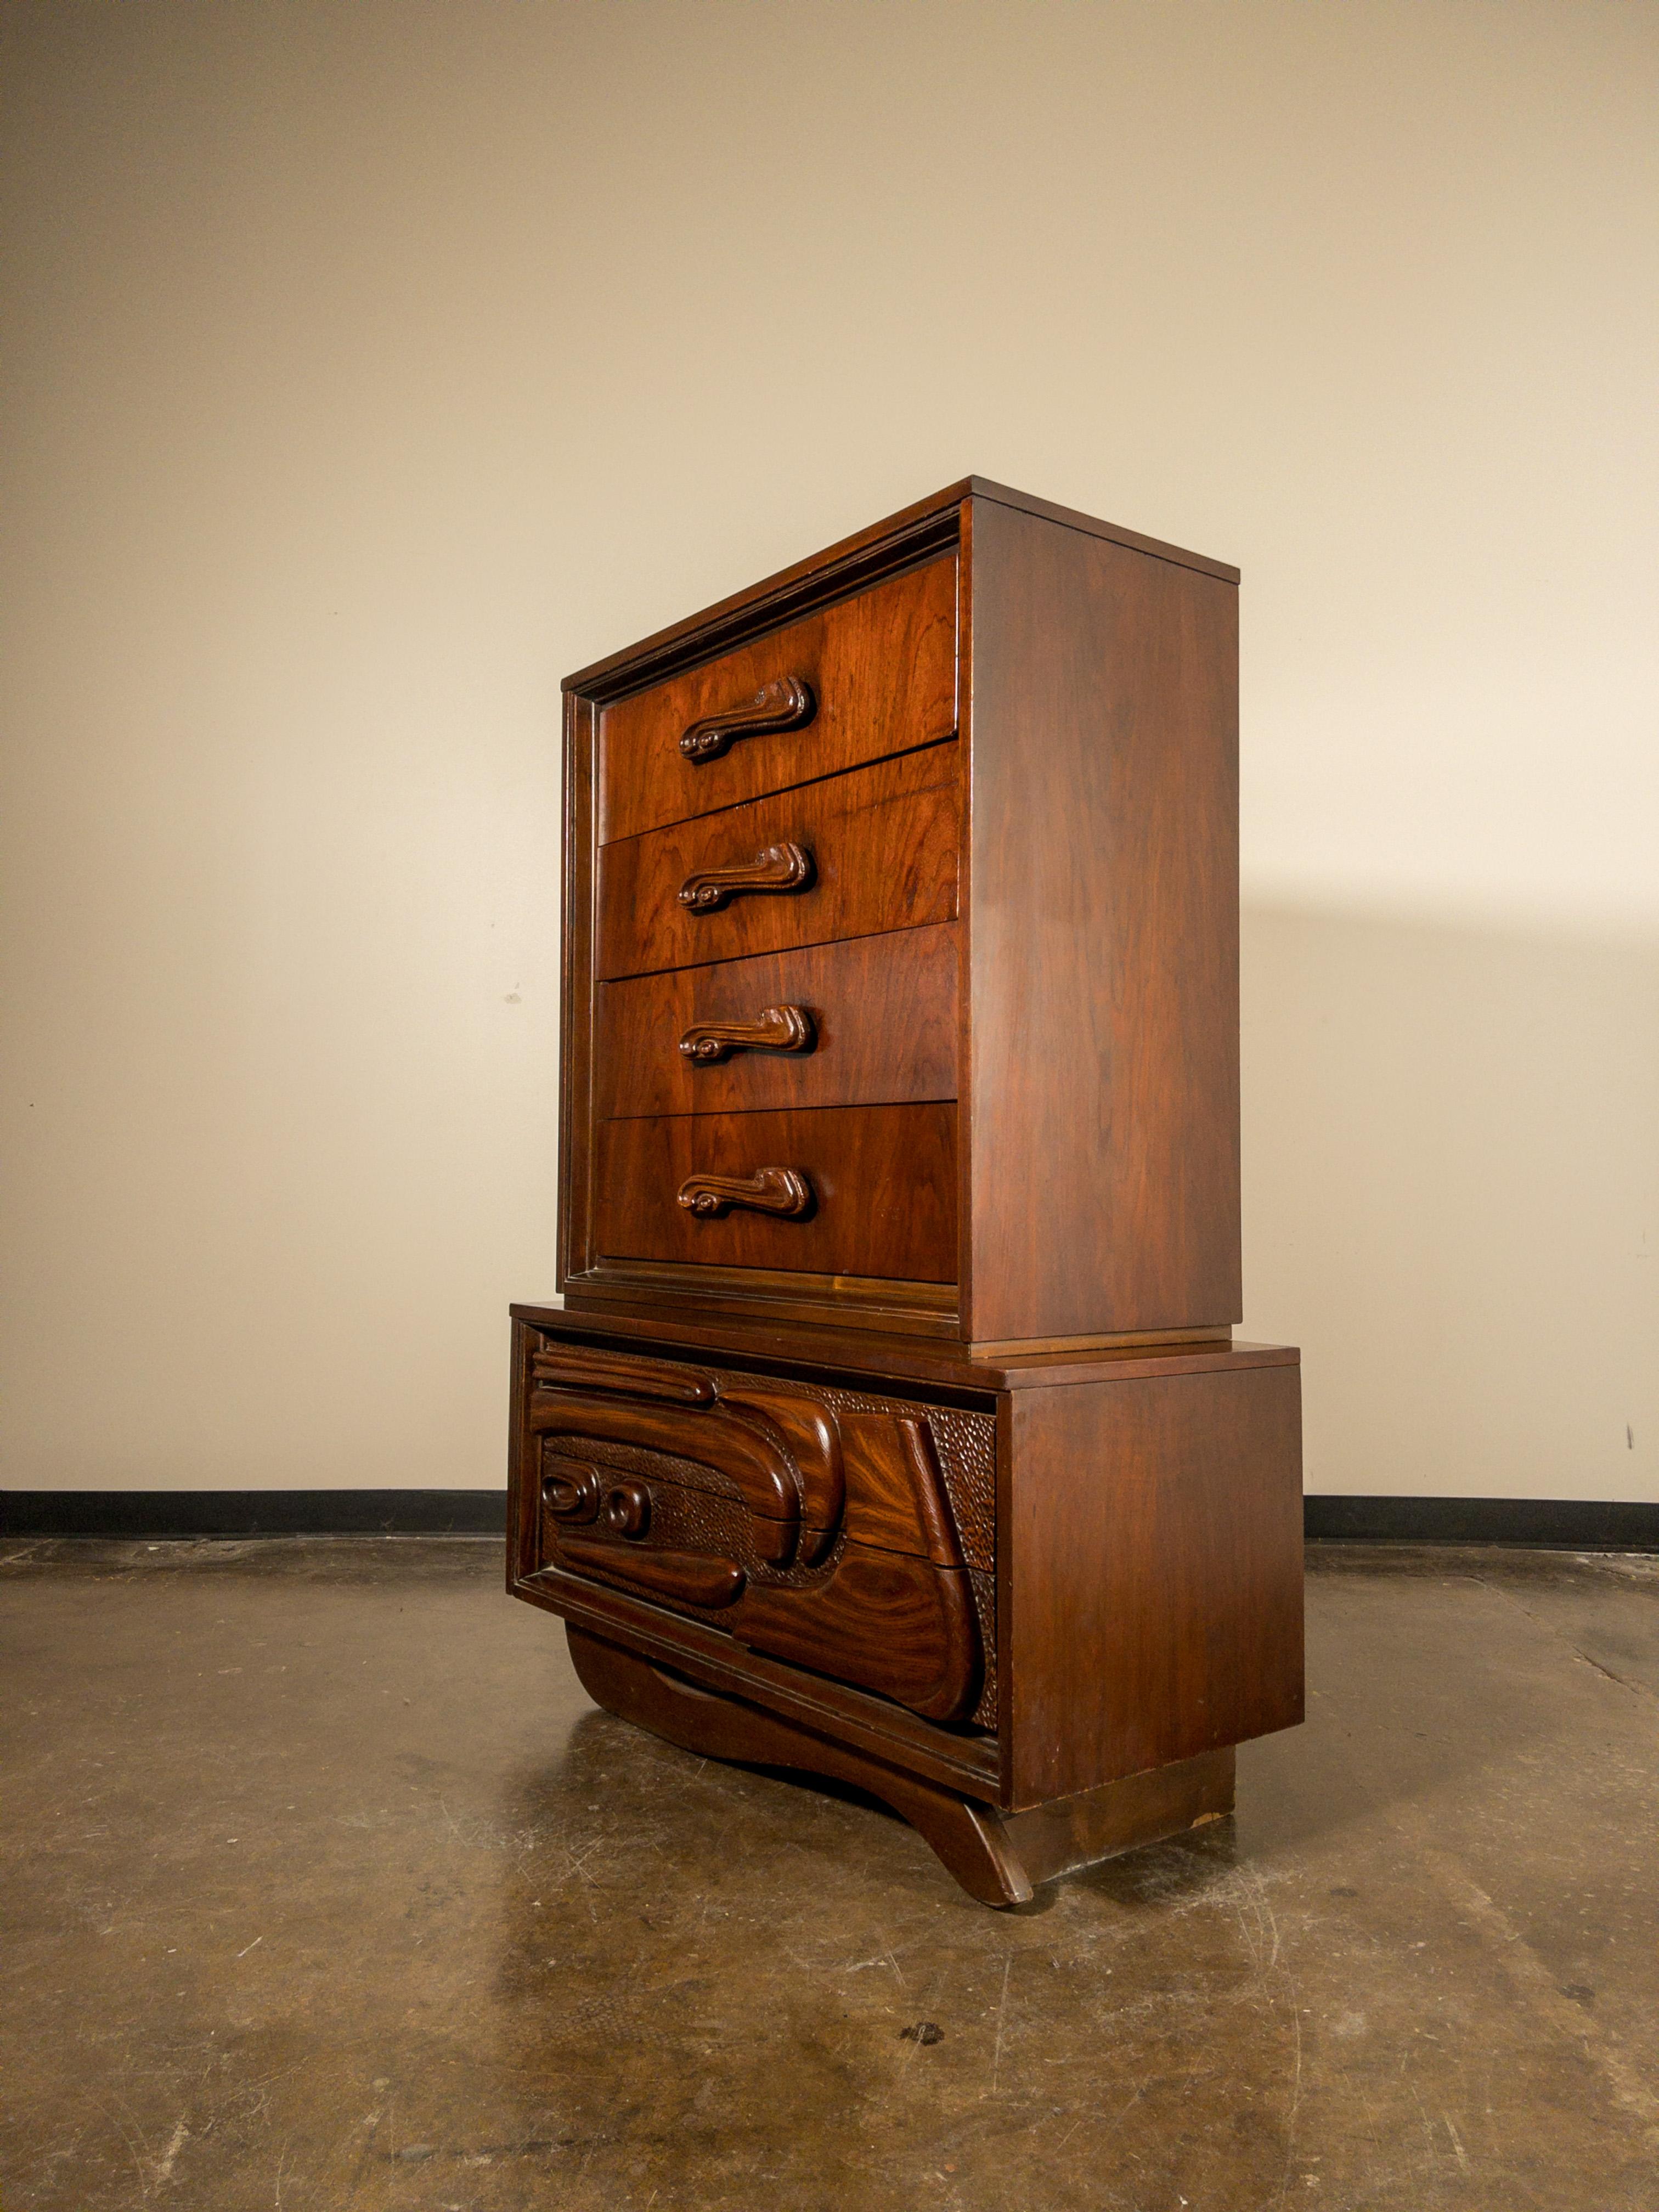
[{"x": 997, "y": 1857}]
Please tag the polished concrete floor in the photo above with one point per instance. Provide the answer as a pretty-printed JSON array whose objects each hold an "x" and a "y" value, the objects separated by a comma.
[{"x": 325, "y": 1887}]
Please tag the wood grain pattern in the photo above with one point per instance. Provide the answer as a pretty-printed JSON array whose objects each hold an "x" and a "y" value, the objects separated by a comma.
[
  {"x": 710, "y": 1656},
  {"x": 772, "y": 1296},
  {"x": 1100, "y": 1136},
  {"x": 887, "y": 1622},
  {"x": 1070, "y": 1833},
  {"x": 735, "y": 1478},
  {"x": 757, "y": 1470},
  {"x": 896, "y": 1500},
  {"x": 693, "y": 1577},
  {"x": 587, "y": 1370},
  {"x": 882, "y": 670},
  {"x": 1150, "y": 1575},
  {"x": 863, "y": 1359},
  {"x": 786, "y": 703},
  {"x": 1059, "y": 881},
  {"x": 884, "y": 846},
  {"x": 883, "y": 1012},
  {"x": 810, "y": 1435},
  {"x": 883, "y": 1178}
]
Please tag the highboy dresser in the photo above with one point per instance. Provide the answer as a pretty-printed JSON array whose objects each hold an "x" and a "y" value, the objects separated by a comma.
[{"x": 892, "y": 1427}]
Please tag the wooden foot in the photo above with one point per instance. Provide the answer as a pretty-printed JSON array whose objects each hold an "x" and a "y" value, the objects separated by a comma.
[{"x": 997, "y": 1857}]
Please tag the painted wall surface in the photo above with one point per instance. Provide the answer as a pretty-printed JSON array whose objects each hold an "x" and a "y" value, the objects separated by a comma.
[{"x": 369, "y": 365}]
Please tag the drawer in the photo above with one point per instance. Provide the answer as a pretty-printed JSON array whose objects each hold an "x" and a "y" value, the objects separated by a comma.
[
  {"x": 842, "y": 1190},
  {"x": 869, "y": 1020},
  {"x": 875, "y": 850},
  {"x": 865, "y": 677},
  {"x": 849, "y": 1533}
]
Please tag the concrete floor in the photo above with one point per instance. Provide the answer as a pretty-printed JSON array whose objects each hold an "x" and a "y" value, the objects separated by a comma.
[{"x": 326, "y": 1889}]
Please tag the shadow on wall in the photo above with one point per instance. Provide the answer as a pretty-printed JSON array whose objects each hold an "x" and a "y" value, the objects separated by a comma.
[{"x": 1451, "y": 1201}]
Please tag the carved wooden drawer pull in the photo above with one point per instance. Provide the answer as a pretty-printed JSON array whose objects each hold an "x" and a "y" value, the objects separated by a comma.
[
  {"x": 694, "y": 1578},
  {"x": 785, "y": 704},
  {"x": 774, "y": 1029},
  {"x": 571, "y": 1488},
  {"x": 769, "y": 1190},
  {"x": 779, "y": 868},
  {"x": 628, "y": 1510}
]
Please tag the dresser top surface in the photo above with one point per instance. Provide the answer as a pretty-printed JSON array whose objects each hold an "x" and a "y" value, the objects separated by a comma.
[
  {"x": 934, "y": 1363},
  {"x": 757, "y": 600}
]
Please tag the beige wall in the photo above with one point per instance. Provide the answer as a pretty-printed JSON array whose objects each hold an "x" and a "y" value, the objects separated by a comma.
[{"x": 370, "y": 364}]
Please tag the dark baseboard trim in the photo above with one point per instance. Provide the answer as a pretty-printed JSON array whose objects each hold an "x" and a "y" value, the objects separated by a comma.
[
  {"x": 1557, "y": 1524},
  {"x": 164, "y": 1514},
  {"x": 1551, "y": 1523}
]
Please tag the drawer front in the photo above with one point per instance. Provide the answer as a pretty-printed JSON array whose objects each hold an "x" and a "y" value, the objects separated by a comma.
[
  {"x": 869, "y": 677},
  {"x": 850, "y": 1190},
  {"x": 852, "y": 1535},
  {"x": 859, "y": 855},
  {"x": 870, "y": 1020}
]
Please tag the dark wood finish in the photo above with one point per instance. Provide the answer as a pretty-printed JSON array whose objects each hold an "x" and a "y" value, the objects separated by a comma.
[
  {"x": 897, "y": 541},
  {"x": 884, "y": 847},
  {"x": 880, "y": 670},
  {"x": 796, "y": 1456},
  {"x": 893, "y": 1423},
  {"x": 786, "y": 703},
  {"x": 1150, "y": 1578},
  {"x": 634, "y": 1378},
  {"x": 774, "y": 1029},
  {"x": 694, "y": 1578},
  {"x": 769, "y": 1294},
  {"x": 981, "y": 492},
  {"x": 572, "y": 1489},
  {"x": 884, "y": 1179},
  {"x": 759, "y": 1472},
  {"x": 834, "y": 1510},
  {"x": 896, "y": 1501},
  {"x": 775, "y": 869},
  {"x": 884, "y": 1621},
  {"x": 997, "y": 1859},
  {"x": 852, "y": 1352},
  {"x": 784, "y": 1191},
  {"x": 1098, "y": 939},
  {"x": 1103, "y": 898},
  {"x": 712, "y": 1658},
  {"x": 1071, "y": 1832},
  {"x": 881, "y": 1014}
]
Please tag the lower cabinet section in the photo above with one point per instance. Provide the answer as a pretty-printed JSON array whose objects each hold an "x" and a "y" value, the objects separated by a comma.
[{"x": 1007, "y": 1615}]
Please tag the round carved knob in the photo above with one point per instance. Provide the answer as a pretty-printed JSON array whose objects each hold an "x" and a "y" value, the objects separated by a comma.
[
  {"x": 628, "y": 1509},
  {"x": 570, "y": 1490}
]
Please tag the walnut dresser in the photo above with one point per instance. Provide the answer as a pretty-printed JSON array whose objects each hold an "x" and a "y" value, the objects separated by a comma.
[{"x": 892, "y": 1427}]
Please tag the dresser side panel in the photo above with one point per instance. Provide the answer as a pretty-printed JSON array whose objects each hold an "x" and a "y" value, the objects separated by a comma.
[
  {"x": 1150, "y": 1572},
  {"x": 1101, "y": 1107}
]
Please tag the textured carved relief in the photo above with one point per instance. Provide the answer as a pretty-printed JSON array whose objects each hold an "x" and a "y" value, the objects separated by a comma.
[
  {"x": 813, "y": 1523},
  {"x": 571, "y": 1488},
  {"x": 694, "y": 1578},
  {"x": 634, "y": 1378}
]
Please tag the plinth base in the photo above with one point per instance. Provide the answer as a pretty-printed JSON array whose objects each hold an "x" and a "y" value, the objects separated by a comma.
[{"x": 997, "y": 1857}]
